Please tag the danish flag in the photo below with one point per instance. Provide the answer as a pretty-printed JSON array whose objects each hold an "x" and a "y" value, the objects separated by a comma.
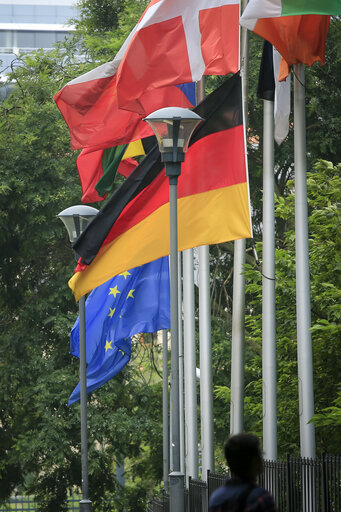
[{"x": 178, "y": 41}]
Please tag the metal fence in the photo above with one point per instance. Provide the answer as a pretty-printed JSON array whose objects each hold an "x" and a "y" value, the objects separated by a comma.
[
  {"x": 29, "y": 504},
  {"x": 297, "y": 484},
  {"x": 159, "y": 504}
]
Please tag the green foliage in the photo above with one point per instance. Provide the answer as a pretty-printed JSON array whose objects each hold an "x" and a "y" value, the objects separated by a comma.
[
  {"x": 330, "y": 416},
  {"x": 323, "y": 126},
  {"x": 99, "y": 16},
  {"x": 39, "y": 434},
  {"x": 324, "y": 193}
]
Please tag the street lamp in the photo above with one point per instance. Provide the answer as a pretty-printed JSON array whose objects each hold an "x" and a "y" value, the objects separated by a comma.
[
  {"x": 75, "y": 219},
  {"x": 173, "y": 127}
]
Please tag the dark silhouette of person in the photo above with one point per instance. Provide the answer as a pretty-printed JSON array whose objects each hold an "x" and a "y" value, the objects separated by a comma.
[{"x": 240, "y": 493}]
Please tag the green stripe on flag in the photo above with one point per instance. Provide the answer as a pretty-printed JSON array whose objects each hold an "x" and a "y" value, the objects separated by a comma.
[
  {"x": 111, "y": 159},
  {"x": 297, "y": 7}
]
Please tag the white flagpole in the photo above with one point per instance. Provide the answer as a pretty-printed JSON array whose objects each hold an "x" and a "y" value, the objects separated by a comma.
[
  {"x": 238, "y": 301},
  {"x": 181, "y": 371},
  {"x": 238, "y": 341},
  {"x": 206, "y": 384},
  {"x": 165, "y": 416},
  {"x": 191, "y": 419},
  {"x": 304, "y": 344},
  {"x": 268, "y": 286}
]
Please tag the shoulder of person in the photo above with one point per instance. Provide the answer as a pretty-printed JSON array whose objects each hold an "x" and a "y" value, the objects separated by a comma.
[
  {"x": 219, "y": 495},
  {"x": 258, "y": 491},
  {"x": 263, "y": 498},
  {"x": 230, "y": 490}
]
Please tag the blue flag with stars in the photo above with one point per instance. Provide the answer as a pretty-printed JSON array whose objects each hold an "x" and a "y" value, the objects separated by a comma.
[{"x": 130, "y": 303}]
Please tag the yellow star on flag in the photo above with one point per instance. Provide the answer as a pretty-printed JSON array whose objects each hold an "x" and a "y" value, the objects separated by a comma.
[
  {"x": 125, "y": 274},
  {"x": 108, "y": 345},
  {"x": 112, "y": 311},
  {"x": 130, "y": 294},
  {"x": 114, "y": 291}
]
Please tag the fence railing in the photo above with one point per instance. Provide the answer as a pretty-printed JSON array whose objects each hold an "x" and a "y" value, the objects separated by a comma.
[
  {"x": 29, "y": 504},
  {"x": 297, "y": 484}
]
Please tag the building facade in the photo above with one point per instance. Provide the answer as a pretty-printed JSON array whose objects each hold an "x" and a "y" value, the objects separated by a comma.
[{"x": 27, "y": 25}]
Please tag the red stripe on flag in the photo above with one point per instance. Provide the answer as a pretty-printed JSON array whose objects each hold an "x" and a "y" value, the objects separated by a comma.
[
  {"x": 95, "y": 121},
  {"x": 127, "y": 166},
  {"x": 154, "y": 63},
  {"x": 213, "y": 162},
  {"x": 90, "y": 170},
  {"x": 219, "y": 29}
]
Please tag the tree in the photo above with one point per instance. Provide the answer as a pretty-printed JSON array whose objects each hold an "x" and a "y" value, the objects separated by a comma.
[
  {"x": 324, "y": 194},
  {"x": 37, "y": 180},
  {"x": 322, "y": 104},
  {"x": 39, "y": 434}
]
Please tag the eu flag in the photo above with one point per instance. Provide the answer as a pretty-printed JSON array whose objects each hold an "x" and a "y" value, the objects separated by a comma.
[{"x": 130, "y": 303}]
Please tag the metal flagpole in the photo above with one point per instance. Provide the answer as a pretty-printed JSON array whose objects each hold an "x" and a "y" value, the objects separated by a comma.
[
  {"x": 206, "y": 384},
  {"x": 238, "y": 304},
  {"x": 206, "y": 381},
  {"x": 237, "y": 352},
  {"x": 85, "y": 503},
  {"x": 75, "y": 219},
  {"x": 304, "y": 345},
  {"x": 268, "y": 285},
  {"x": 181, "y": 371},
  {"x": 176, "y": 477},
  {"x": 169, "y": 127},
  {"x": 191, "y": 420},
  {"x": 165, "y": 417}
]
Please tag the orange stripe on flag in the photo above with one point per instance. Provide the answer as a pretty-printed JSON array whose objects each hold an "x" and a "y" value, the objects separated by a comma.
[{"x": 206, "y": 218}]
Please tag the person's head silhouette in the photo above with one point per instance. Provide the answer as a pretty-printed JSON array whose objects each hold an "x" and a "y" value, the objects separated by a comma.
[{"x": 244, "y": 456}]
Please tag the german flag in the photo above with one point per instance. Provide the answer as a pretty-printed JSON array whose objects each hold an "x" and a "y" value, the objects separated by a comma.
[{"x": 213, "y": 199}]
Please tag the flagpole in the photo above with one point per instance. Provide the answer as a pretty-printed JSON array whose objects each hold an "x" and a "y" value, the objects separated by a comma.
[
  {"x": 191, "y": 420},
  {"x": 176, "y": 478},
  {"x": 304, "y": 343},
  {"x": 169, "y": 127},
  {"x": 165, "y": 417},
  {"x": 268, "y": 288},
  {"x": 206, "y": 381},
  {"x": 85, "y": 503},
  {"x": 238, "y": 301},
  {"x": 237, "y": 352},
  {"x": 181, "y": 370},
  {"x": 174, "y": 325},
  {"x": 75, "y": 219}
]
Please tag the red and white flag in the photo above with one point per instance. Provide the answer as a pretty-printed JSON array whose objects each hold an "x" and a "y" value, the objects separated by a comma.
[
  {"x": 175, "y": 42},
  {"x": 90, "y": 109},
  {"x": 178, "y": 41}
]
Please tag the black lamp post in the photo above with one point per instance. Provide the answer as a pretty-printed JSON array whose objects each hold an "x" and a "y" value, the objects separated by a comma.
[
  {"x": 173, "y": 127},
  {"x": 75, "y": 219}
]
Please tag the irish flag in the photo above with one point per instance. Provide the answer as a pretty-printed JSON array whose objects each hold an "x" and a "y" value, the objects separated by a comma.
[
  {"x": 296, "y": 28},
  {"x": 275, "y": 8}
]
